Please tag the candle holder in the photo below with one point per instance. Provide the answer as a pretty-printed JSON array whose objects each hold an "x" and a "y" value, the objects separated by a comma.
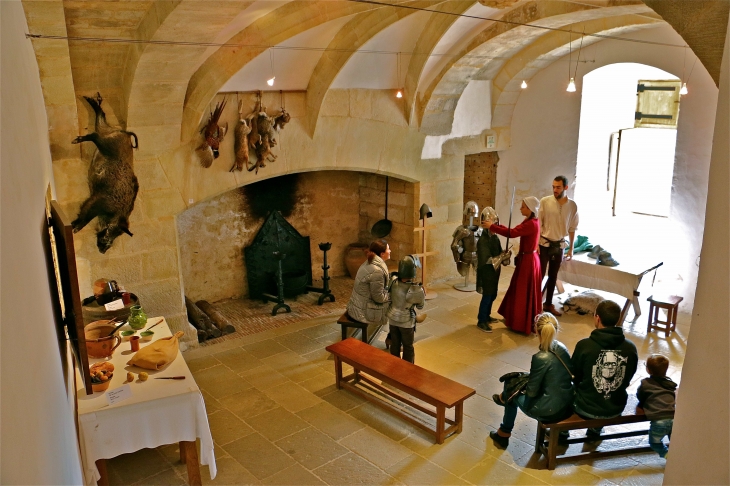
[{"x": 325, "y": 290}]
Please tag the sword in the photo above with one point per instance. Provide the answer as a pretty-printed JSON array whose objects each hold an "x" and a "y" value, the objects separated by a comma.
[{"x": 509, "y": 225}]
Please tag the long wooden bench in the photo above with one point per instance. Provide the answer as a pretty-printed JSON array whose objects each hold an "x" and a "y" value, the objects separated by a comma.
[
  {"x": 431, "y": 388},
  {"x": 631, "y": 415}
]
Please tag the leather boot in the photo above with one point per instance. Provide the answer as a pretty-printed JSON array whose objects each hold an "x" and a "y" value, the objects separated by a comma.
[{"x": 551, "y": 309}]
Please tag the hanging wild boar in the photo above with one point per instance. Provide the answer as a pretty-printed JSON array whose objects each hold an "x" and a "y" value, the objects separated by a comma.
[{"x": 112, "y": 182}]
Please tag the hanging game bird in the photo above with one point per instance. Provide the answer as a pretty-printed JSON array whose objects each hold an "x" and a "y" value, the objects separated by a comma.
[{"x": 213, "y": 136}]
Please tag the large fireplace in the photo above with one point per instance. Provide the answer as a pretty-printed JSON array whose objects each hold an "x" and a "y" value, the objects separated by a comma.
[{"x": 332, "y": 206}]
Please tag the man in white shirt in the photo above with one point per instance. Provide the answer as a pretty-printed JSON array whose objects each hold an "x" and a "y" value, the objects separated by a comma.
[{"x": 558, "y": 217}]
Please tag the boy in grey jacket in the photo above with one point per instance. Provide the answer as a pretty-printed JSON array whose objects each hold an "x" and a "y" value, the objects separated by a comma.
[
  {"x": 404, "y": 297},
  {"x": 656, "y": 396}
]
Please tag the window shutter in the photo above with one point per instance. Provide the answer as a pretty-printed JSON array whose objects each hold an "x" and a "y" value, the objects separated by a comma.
[{"x": 657, "y": 104}]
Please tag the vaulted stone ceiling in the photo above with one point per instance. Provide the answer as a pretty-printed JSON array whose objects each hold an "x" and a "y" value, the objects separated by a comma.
[{"x": 149, "y": 82}]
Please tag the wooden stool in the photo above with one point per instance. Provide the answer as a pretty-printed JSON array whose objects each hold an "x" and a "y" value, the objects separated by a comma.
[
  {"x": 671, "y": 304},
  {"x": 346, "y": 322}
]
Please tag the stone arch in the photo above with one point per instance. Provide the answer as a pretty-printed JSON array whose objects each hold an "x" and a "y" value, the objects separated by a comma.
[
  {"x": 281, "y": 24},
  {"x": 353, "y": 35},
  {"x": 159, "y": 75},
  {"x": 551, "y": 47},
  {"x": 430, "y": 36},
  {"x": 499, "y": 40}
]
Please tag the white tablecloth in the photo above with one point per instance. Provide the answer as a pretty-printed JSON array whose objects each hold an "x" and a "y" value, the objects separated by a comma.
[
  {"x": 159, "y": 412},
  {"x": 622, "y": 279}
]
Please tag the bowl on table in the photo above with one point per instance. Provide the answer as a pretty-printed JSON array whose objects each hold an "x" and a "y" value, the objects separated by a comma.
[
  {"x": 127, "y": 334},
  {"x": 101, "y": 340},
  {"x": 147, "y": 335}
]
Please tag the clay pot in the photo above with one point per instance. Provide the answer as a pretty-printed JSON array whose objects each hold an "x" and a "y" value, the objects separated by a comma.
[
  {"x": 355, "y": 256},
  {"x": 98, "y": 342}
]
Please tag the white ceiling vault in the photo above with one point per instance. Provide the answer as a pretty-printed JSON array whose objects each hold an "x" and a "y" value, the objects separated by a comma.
[{"x": 186, "y": 51}]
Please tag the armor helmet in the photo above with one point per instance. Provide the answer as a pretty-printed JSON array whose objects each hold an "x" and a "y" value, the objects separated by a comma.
[
  {"x": 471, "y": 209},
  {"x": 407, "y": 267},
  {"x": 425, "y": 211},
  {"x": 489, "y": 214}
]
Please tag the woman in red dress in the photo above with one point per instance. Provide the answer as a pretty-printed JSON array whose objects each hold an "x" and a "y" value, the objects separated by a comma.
[{"x": 523, "y": 300}]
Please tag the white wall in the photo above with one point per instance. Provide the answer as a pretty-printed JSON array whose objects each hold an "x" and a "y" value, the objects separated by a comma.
[
  {"x": 700, "y": 447},
  {"x": 545, "y": 128},
  {"x": 38, "y": 437}
]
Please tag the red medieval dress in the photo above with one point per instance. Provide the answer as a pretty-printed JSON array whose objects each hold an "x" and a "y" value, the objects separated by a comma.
[{"x": 523, "y": 300}]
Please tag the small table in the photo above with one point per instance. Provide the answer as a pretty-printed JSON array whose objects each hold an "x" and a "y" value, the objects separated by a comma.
[
  {"x": 159, "y": 412},
  {"x": 623, "y": 279}
]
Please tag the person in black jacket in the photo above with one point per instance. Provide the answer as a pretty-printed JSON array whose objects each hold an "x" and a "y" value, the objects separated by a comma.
[
  {"x": 656, "y": 396},
  {"x": 604, "y": 364},
  {"x": 489, "y": 250},
  {"x": 549, "y": 393}
]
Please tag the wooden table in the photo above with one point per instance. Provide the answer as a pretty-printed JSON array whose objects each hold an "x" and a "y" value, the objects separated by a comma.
[
  {"x": 432, "y": 388},
  {"x": 623, "y": 279},
  {"x": 158, "y": 412}
]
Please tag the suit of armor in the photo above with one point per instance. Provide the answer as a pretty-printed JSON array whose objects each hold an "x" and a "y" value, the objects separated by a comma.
[
  {"x": 404, "y": 296},
  {"x": 464, "y": 244}
]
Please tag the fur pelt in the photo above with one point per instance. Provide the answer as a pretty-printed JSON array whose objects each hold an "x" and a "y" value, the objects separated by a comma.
[{"x": 583, "y": 303}]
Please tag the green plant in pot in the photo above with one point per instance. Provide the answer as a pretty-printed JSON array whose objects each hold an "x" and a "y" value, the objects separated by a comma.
[{"x": 137, "y": 317}]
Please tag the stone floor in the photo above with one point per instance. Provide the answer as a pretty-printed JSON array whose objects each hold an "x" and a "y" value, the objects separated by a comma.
[{"x": 276, "y": 417}]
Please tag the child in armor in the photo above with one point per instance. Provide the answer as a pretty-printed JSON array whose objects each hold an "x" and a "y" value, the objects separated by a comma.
[{"x": 405, "y": 296}]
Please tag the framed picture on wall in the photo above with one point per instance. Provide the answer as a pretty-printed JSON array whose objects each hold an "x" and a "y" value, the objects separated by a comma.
[{"x": 68, "y": 304}]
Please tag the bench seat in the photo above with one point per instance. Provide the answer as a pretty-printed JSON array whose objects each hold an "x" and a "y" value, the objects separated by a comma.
[
  {"x": 549, "y": 450},
  {"x": 427, "y": 386}
]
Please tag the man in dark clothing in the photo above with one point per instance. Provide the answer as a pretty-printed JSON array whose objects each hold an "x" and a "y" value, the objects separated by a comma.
[
  {"x": 604, "y": 364},
  {"x": 489, "y": 250}
]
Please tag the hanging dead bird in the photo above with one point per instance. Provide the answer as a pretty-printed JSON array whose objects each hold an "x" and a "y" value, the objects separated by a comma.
[
  {"x": 112, "y": 182},
  {"x": 213, "y": 136},
  {"x": 243, "y": 128}
]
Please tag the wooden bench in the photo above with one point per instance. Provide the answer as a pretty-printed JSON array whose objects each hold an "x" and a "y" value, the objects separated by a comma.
[
  {"x": 345, "y": 322},
  {"x": 630, "y": 416},
  {"x": 434, "y": 389}
]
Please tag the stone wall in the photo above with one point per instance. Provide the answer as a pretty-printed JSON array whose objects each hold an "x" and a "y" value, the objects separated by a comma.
[
  {"x": 212, "y": 234},
  {"x": 401, "y": 212}
]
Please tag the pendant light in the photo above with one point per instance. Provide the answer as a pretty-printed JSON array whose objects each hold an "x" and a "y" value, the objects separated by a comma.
[
  {"x": 524, "y": 84},
  {"x": 399, "y": 93},
  {"x": 571, "y": 83},
  {"x": 683, "y": 89},
  {"x": 270, "y": 81},
  {"x": 571, "y": 86}
]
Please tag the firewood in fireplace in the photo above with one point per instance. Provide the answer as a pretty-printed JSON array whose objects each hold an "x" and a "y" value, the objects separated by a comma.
[
  {"x": 218, "y": 319},
  {"x": 200, "y": 320}
]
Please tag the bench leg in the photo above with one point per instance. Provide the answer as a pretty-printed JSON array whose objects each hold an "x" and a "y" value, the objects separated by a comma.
[
  {"x": 459, "y": 416},
  {"x": 552, "y": 448},
  {"x": 344, "y": 331},
  {"x": 189, "y": 451},
  {"x": 540, "y": 437},
  {"x": 440, "y": 423},
  {"x": 338, "y": 372},
  {"x": 364, "y": 334}
]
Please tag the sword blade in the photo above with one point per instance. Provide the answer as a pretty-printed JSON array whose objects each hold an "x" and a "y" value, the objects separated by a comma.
[{"x": 509, "y": 225}]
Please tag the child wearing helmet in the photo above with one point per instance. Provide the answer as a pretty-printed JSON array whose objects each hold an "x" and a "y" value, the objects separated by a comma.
[{"x": 405, "y": 297}]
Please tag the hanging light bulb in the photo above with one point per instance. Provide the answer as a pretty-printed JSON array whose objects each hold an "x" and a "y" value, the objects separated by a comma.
[
  {"x": 524, "y": 84},
  {"x": 683, "y": 89},
  {"x": 399, "y": 94},
  {"x": 270, "y": 82},
  {"x": 571, "y": 86}
]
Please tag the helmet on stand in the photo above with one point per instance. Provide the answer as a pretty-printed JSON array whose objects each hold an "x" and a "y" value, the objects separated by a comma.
[{"x": 471, "y": 209}]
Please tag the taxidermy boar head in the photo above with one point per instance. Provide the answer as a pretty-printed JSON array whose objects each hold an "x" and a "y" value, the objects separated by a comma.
[{"x": 112, "y": 182}]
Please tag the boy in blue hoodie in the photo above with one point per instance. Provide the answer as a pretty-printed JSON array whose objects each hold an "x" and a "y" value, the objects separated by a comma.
[
  {"x": 656, "y": 396},
  {"x": 603, "y": 364}
]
